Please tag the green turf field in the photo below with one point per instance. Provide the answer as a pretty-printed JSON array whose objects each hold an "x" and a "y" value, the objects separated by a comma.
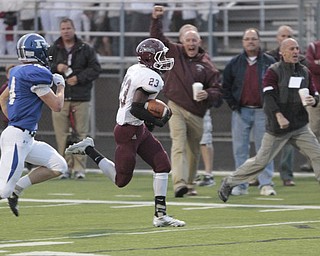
[{"x": 93, "y": 217}]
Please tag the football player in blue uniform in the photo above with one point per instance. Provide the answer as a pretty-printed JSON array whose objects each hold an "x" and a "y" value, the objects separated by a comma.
[{"x": 29, "y": 87}]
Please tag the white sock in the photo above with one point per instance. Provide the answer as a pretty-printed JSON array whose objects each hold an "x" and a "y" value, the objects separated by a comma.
[
  {"x": 107, "y": 167},
  {"x": 160, "y": 184},
  {"x": 22, "y": 184}
]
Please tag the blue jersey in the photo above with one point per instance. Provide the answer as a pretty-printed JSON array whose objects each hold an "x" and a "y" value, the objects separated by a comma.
[{"x": 24, "y": 106}]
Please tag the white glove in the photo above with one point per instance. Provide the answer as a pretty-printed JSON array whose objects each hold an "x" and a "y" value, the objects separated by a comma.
[{"x": 58, "y": 79}]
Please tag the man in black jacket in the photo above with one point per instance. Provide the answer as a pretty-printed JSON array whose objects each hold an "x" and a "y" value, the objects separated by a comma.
[
  {"x": 78, "y": 63},
  {"x": 287, "y": 152},
  {"x": 287, "y": 118}
]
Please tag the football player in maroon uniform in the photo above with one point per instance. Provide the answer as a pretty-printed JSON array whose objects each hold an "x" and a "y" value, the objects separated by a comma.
[{"x": 141, "y": 83}]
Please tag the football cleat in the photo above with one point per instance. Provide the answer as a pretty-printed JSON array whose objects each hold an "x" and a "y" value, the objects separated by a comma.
[
  {"x": 167, "y": 221},
  {"x": 80, "y": 147},
  {"x": 13, "y": 204}
]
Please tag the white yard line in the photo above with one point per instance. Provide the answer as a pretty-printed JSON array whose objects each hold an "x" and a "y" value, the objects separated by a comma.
[
  {"x": 28, "y": 244},
  {"x": 50, "y": 253},
  {"x": 64, "y": 202}
]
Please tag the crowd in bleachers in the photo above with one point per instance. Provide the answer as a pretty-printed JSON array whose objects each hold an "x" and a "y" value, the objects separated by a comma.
[{"x": 44, "y": 17}]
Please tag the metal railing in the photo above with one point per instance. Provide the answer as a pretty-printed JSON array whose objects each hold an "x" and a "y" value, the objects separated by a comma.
[{"x": 302, "y": 14}]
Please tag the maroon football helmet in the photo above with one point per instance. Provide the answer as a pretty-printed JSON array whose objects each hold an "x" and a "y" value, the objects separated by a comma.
[{"x": 152, "y": 53}]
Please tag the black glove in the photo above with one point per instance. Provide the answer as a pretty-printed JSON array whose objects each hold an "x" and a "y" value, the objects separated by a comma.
[
  {"x": 149, "y": 125},
  {"x": 161, "y": 122}
]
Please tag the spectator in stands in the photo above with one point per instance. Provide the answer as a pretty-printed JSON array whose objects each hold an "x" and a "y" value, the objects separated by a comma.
[
  {"x": 287, "y": 118},
  {"x": 78, "y": 63},
  {"x": 185, "y": 13},
  {"x": 242, "y": 85},
  {"x": 9, "y": 23},
  {"x": 209, "y": 12},
  {"x": 139, "y": 22},
  {"x": 108, "y": 21},
  {"x": 192, "y": 64},
  {"x": 28, "y": 16},
  {"x": 60, "y": 11},
  {"x": 114, "y": 25},
  {"x": 48, "y": 20},
  {"x": 287, "y": 152}
]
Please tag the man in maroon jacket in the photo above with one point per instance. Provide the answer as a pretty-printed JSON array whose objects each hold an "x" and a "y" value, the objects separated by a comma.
[
  {"x": 192, "y": 64},
  {"x": 313, "y": 63}
]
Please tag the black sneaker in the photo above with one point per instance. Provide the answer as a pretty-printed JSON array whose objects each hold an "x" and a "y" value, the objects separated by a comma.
[
  {"x": 225, "y": 190},
  {"x": 207, "y": 181},
  {"x": 306, "y": 168},
  {"x": 198, "y": 179},
  {"x": 180, "y": 191},
  {"x": 13, "y": 204},
  {"x": 65, "y": 176}
]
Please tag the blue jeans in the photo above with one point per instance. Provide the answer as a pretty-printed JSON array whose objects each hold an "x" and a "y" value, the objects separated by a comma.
[
  {"x": 245, "y": 122},
  {"x": 286, "y": 162}
]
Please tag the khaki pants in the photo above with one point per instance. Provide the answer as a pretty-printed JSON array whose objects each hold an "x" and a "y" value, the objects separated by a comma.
[
  {"x": 303, "y": 138},
  {"x": 185, "y": 131},
  {"x": 61, "y": 125},
  {"x": 314, "y": 120}
]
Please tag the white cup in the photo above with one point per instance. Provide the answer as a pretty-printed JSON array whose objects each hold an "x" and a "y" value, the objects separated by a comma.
[
  {"x": 196, "y": 87},
  {"x": 303, "y": 93}
]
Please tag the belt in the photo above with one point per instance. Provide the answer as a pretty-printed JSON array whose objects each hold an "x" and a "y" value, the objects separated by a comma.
[
  {"x": 251, "y": 106},
  {"x": 31, "y": 133}
]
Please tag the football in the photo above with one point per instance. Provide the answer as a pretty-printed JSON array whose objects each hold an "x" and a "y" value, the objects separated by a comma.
[{"x": 157, "y": 108}]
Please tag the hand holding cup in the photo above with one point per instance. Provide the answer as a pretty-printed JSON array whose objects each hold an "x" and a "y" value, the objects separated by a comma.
[
  {"x": 304, "y": 92},
  {"x": 196, "y": 88}
]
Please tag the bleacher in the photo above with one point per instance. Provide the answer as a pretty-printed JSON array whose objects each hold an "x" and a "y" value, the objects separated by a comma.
[{"x": 233, "y": 18}]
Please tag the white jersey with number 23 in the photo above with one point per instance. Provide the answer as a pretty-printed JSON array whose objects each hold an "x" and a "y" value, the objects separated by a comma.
[{"x": 137, "y": 76}]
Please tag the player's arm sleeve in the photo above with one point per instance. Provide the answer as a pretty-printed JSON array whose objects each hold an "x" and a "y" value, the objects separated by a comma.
[
  {"x": 42, "y": 81},
  {"x": 41, "y": 89},
  {"x": 138, "y": 110}
]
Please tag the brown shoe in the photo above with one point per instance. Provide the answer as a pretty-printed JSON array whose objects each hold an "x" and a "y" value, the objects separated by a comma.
[
  {"x": 192, "y": 192},
  {"x": 288, "y": 183}
]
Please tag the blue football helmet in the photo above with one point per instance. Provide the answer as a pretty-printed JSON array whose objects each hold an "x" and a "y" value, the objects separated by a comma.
[{"x": 33, "y": 47}]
